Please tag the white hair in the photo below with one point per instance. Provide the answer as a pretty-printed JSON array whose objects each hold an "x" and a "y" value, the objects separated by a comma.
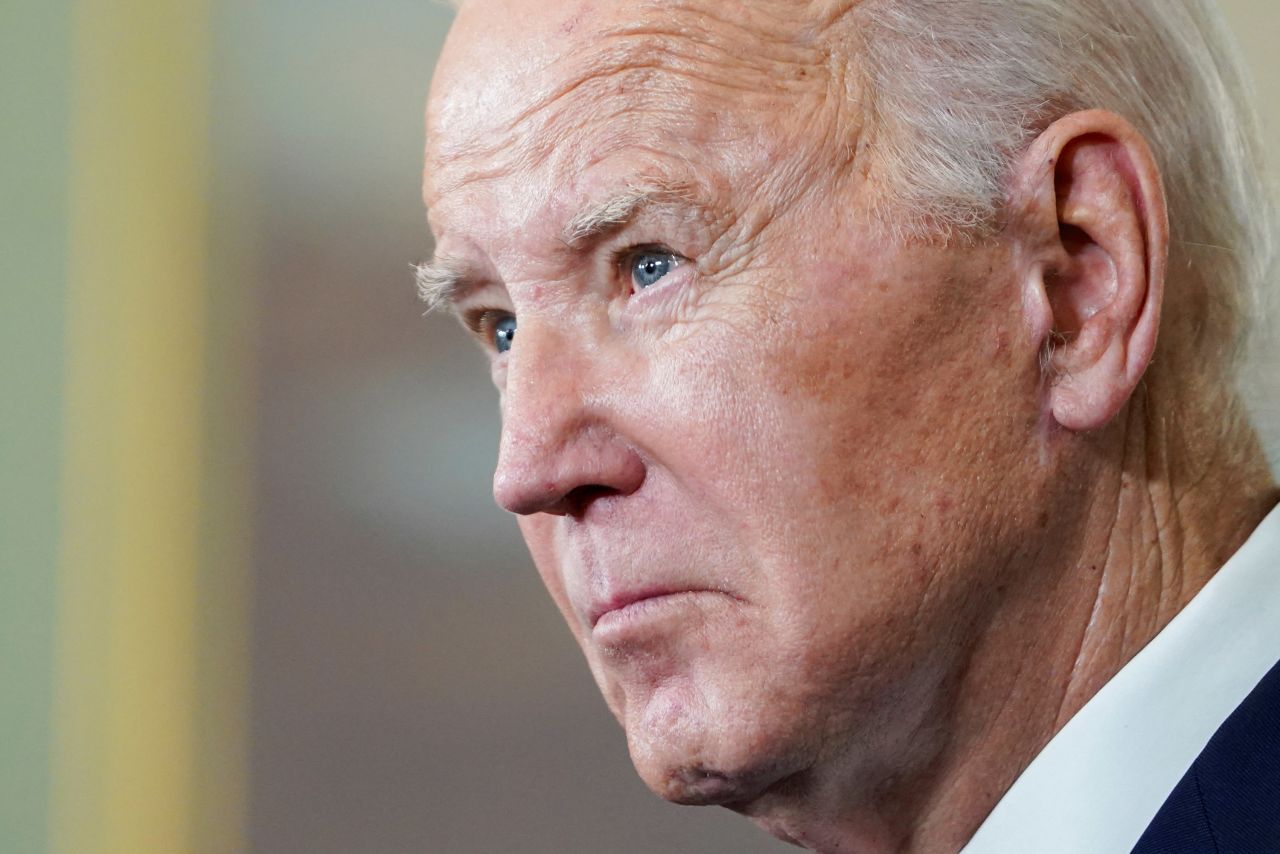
[
  {"x": 959, "y": 88},
  {"x": 956, "y": 90}
]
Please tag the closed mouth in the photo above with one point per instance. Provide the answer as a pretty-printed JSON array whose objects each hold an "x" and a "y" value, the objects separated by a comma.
[{"x": 634, "y": 601}]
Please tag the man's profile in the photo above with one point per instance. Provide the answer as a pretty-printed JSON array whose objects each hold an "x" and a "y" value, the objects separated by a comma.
[{"x": 867, "y": 381}]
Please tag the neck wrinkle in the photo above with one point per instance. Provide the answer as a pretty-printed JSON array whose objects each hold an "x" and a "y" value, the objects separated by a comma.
[
  {"x": 1135, "y": 543},
  {"x": 1190, "y": 494},
  {"x": 1185, "y": 498}
]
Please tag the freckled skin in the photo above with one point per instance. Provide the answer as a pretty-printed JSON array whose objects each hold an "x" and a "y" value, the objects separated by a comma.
[{"x": 832, "y": 431}]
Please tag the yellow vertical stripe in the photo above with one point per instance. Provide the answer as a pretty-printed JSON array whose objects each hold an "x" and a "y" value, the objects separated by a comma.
[{"x": 125, "y": 751}]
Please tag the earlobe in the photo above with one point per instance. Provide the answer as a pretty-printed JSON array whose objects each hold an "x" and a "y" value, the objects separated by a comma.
[{"x": 1092, "y": 226}]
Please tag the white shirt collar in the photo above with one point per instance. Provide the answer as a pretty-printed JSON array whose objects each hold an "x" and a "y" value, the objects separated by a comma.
[{"x": 1098, "y": 784}]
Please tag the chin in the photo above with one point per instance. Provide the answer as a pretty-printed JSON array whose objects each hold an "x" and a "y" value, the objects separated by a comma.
[
  {"x": 701, "y": 785},
  {"x": 698, "y": 753}
]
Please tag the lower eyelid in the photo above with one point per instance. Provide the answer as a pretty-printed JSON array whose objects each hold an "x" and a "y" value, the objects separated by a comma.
[
  {"x": 498, "y": 372},
  {"x": 669, "y": 285}
]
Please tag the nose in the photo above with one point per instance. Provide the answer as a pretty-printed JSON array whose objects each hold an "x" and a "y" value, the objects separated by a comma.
[{"x": 561, "y": 446}]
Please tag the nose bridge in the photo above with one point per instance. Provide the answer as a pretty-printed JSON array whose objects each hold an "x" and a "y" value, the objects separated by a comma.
[
  {"x": 556, "y": 437},
  {"x": 542, "y": 412},
  {"x": 543, "y": 394}
]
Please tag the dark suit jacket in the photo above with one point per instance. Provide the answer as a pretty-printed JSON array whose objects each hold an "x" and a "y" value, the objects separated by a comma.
[{"x": 1228, "y": 802}]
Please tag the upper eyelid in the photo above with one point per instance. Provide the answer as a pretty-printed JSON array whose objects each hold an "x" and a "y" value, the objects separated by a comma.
[
  {"x": 624, "y": 252},
  {"x": 473, "y": 317},
  {"x": 624, "y": 255},
  {"x": 668, "y": 215},
  {"x": 480, "y": 297},
  {"x": 645, "y": 200}
]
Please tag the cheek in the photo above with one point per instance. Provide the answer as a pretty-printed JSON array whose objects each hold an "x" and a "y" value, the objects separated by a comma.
[
  {"x": 890, "y": 417},
  {"x": 894, "y": 373}
]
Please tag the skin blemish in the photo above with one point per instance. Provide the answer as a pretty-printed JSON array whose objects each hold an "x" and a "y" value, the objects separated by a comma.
[{"x": 1000, "y": 342}]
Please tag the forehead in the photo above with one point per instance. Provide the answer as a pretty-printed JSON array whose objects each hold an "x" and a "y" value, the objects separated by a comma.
[{"x": 546, "y": 92}]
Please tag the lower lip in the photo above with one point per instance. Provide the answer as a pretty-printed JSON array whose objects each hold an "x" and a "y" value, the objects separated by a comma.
[{"x": 645, "y": 613}]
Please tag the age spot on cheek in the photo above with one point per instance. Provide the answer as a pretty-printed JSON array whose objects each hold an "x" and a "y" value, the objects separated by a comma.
[{"x": 1000, "y": 343}]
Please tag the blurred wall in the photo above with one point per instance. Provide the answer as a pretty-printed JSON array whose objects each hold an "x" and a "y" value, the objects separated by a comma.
[
  {"x": 1256, "y": 24},
  {"x": 35, "y": 71}
]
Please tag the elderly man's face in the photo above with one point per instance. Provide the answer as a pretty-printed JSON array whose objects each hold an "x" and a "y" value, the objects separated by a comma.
[{"x": 769, "y": 462}]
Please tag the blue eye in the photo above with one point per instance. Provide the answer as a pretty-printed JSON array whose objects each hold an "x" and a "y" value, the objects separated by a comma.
[
  {"x": 647, "y": 267},
  {"x": 504, "y": 332}
]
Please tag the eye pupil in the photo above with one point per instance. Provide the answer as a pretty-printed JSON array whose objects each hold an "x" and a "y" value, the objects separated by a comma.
[
  {"x": 648, "y": 267},
  {"x": 504, "y": 332}
]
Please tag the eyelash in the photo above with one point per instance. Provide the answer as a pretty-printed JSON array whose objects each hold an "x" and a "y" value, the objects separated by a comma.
[{"x": 482, "y": 321}]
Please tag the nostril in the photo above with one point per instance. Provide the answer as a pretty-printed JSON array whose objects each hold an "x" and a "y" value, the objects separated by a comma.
[
  {"x": 580, "y": 498},
  {"x": 564, "y": 475}
]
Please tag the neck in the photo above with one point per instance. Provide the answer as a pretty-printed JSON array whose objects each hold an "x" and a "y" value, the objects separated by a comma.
[{"x": 1157, "y": 527}]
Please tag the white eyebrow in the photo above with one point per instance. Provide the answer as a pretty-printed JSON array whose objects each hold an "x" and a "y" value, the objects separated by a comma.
[
  {"x": 442, "y": 282},
  {"x": 445, "y": 280},
  {"x": 617, "y": 212}
]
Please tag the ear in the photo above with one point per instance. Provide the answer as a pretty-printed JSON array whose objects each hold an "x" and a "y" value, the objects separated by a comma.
[{"x": 1092, "y": 235}]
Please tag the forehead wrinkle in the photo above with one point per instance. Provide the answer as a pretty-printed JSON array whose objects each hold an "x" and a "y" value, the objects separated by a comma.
[
  {"x": 661, "y": 48},
  {"x": 699, "y": 51},
  {"x": 638, "y": 70},
  {"x": 643, "y": 52},
  {"x": 453, "y": 166},
  {"x": 700, "y": 47}
]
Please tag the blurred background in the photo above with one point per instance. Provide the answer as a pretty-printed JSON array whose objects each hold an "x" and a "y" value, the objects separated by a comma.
[{"x": 254, "y": 594}]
